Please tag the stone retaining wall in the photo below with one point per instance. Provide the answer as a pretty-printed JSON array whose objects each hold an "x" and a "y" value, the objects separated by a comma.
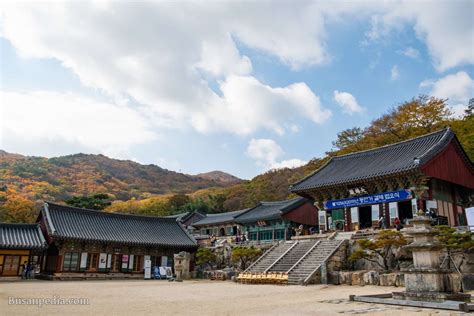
[{"x": 397, "y": 279}]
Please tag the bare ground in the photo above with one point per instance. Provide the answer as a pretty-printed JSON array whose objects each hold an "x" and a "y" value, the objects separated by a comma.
[{"x": 198, "y": 298}]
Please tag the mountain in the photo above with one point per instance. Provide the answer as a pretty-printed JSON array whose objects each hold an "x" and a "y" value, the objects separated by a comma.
[
  {"x": 219, "y": 176},
  {"x": 60, "y": 178}
]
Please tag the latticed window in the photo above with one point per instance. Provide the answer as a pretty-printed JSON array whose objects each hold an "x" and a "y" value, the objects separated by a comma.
[{"x": 70, "y": 262}]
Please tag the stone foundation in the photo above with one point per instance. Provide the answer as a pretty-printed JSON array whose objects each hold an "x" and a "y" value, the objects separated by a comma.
[{"x": 431, "y": 296}]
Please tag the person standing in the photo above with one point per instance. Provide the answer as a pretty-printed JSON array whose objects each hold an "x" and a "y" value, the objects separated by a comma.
[
  {"x": 382, "y": 222},
  {"x": 24, "y": 270},
  {"x": 397, "y": 223},
  {"x": 329, "y": 223}
]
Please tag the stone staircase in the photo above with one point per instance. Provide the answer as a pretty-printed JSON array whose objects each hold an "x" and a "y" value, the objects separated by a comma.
[
  {"x": 304, "y": 270},
  {"x": 292, "y": 256},
  {"x": 270, "y": 256}
]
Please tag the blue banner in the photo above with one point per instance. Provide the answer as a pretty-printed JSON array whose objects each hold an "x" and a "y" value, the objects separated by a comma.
[{"x": 384, "y": 197}]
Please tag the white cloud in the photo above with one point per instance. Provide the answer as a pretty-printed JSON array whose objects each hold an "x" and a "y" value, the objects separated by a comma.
[
  {"x": 449, "y": 44},
  {"x": 411, "y": 53},
  {"x": 166, "y": 57},
  {"x": 247, "y": 105},
  {"x": 291, "y": 163},
  {"x": 394, "y": 73},
  {"x": 458, "y": 87},
  {"x": 266, "y": 153},
  {"x": 52, "y": 117},
  {"x": 348, "y": 102}
]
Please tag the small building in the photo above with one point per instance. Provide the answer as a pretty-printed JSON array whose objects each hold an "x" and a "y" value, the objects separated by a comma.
[
  {"x": 270, "y": 221},
  {"x": 220, "y": 224},
  {"x": 20, "y": 243},
  {"x": 365, "y": 189},
  {"x": 82, "y": 240}
]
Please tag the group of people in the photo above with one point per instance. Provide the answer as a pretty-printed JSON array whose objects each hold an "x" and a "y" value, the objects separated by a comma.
[{"x": 28, "y": 270}]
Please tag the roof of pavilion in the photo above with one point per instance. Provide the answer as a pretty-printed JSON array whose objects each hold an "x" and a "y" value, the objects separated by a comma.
[
  {"x": 21, "y": 236},
  {"x": 219, "y": 218},
  {"x": 66, "y": 222},
  {"x": 270, "y": 210},
  {"x": 402, "y": 157}
]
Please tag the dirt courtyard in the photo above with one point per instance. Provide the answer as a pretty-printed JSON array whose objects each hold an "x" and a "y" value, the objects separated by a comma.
[{"x": 196, "y": 298}]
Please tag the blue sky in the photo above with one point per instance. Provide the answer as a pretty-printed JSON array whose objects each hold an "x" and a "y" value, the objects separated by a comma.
[{"x": 237, "y": 87}]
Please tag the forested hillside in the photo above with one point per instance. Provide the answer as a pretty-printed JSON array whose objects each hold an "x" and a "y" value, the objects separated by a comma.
[
  {"x": 140, "y": 189},
  {"x": 27, "y": 181}
]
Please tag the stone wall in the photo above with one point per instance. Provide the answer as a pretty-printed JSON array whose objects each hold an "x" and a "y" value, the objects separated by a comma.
[{"x": 361, "y": 278}]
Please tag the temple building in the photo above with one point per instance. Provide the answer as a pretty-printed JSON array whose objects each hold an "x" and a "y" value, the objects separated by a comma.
[
  {"x": 270, "y": 221},
  {"x": 373, "y": 187},
  {"x": 88, "y": 241},
  {"x": 20, "y": 243},
  {"x": 220, "y": 224}
]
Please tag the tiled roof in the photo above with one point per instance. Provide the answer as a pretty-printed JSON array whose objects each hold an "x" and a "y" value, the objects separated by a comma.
[
  {"x": 67, "y": 222},
  {"x": 378, "y": 162},
  {"x": 21, "y": 236},
  {"x": 269, "y": 210},
  {"x": 220, "y": 218}
]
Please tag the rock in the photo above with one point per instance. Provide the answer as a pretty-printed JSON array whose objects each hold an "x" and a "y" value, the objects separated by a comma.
[
  {"x": 453, "y": 282},
  {"x": 333, "y": 278},
  {"x": 400, "y": 280},
  {"x": 468, "y": 282},
  {"x": 387, "y": 279},
  {"x": 345, "y": 277},
  {"x": 357, "y": 278},
  {"x": 371, "y": 278}
]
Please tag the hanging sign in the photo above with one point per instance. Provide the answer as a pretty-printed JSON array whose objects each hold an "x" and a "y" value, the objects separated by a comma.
[{"x": 384, "y": 197}]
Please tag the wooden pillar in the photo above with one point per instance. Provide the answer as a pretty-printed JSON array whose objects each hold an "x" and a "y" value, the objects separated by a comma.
[{"x": 347, "y": 219}]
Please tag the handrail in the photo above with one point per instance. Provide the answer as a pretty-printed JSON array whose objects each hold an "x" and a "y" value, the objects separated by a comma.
[
  {"x": 262, "y": 256},
  {"x": 304, "y": 256},
  {"x": 325, "y": 259},
  {"x": 279, "y": 258}
]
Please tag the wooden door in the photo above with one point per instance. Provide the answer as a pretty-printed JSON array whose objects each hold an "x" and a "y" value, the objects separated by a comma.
[{"x": 11, "y": 265}]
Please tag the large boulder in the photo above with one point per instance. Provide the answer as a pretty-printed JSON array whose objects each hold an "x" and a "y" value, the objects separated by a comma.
[
  {"x": 356, "y": 278},
  {"x": 333, "y": 277},
  {"x": 345, "y": 277},
  {"x": 371, "y": 278},
  {"x": 387, "y": 279}
]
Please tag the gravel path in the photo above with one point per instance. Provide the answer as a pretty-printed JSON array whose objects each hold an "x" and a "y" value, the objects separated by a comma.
[{"x": 197, "y": 298}]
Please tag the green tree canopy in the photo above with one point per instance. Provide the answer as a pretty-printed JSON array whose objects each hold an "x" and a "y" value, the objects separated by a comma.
[
  {"x": 244, "y": 255},
  {"x": 93, "y": 202},
  {"x": 380, "y": 249}
]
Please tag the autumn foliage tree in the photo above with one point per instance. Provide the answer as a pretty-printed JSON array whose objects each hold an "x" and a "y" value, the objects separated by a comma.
[{"x": 380, "y": 249}]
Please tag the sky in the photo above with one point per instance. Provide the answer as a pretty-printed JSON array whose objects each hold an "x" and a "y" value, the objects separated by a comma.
[{"x": 238, "y": 86}]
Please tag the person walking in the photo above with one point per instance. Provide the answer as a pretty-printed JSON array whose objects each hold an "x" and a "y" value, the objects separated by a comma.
[{"x": 397, "y": 223}]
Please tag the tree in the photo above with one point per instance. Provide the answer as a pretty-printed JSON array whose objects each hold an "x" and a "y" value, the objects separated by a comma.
[
  {"x": 454, "y": 241},
  {"x": 92, "y": 202},
  {"x": 244, "y": 255},
  {"x": 18, "y": 209},
  {"x": 380, "y": 249},
  {"x": 196, "y": 205},
  {"x": 176, "y": 202},
  {"x": 470, "y": 108},
  {"x": 348, "y": 137},
  {"x": 205, "y": 256}
]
